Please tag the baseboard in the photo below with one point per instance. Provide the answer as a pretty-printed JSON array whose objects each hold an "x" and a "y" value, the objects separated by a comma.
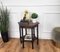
[{"x": 43, "y": 35}]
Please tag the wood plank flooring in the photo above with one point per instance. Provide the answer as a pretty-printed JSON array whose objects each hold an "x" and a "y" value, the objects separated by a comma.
[{"x": 14, "y": 45}]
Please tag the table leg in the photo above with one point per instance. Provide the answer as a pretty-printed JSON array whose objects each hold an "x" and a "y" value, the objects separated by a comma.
[
  {"x": 37, "y": 35},
  {"x": 22, "y": 38},
  {"x": 20, "y": 35},
  {"x": 32, "y": 37},
  {"x": 25, "y": 31}
]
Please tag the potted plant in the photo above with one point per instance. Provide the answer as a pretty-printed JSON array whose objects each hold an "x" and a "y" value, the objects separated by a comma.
[
  {"x": 4, "y": 23},
  {"x": 34, "y": 16}
]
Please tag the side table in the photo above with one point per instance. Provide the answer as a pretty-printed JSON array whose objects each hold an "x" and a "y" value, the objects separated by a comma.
[{"x": 30, "y": 25}]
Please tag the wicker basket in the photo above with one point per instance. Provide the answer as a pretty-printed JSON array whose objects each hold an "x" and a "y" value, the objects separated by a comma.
[{"x": 56, "y": 36}]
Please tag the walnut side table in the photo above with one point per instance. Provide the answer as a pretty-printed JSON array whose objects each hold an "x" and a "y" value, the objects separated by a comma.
[{"x": 31, "y": 26}]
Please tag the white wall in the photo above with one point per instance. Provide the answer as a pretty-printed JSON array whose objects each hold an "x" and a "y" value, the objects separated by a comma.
[{"x": 48, "y": 11}]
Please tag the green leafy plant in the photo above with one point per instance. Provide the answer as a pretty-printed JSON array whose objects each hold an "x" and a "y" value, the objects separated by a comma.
[
  {"x": 4, "y": 23},
  {"x": 34, "y": 15},
  {"x": 4, "y": 19}
]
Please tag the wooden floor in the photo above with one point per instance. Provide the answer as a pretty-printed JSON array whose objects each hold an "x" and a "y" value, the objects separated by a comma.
[{"x": 14, "y": 45}]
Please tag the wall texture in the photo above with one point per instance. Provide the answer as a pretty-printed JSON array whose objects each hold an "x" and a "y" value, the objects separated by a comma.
[{"x": 48, "y": 11}]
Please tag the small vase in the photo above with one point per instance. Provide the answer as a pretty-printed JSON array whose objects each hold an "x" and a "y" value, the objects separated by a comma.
[{"x": 34, "y": 20}]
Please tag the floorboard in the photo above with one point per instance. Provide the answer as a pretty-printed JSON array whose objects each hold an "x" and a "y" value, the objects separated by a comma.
[{"x": 14, "y": 45}]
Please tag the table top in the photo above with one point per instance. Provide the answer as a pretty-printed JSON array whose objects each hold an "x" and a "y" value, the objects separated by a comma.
[{"x": 28, "y": 24}]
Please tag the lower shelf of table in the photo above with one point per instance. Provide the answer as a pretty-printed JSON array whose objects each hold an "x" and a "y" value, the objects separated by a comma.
[{"x": 28, "y": 38}]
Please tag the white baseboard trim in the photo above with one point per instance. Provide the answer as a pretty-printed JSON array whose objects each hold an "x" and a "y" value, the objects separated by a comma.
[{"x": 43, "y": 35}]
